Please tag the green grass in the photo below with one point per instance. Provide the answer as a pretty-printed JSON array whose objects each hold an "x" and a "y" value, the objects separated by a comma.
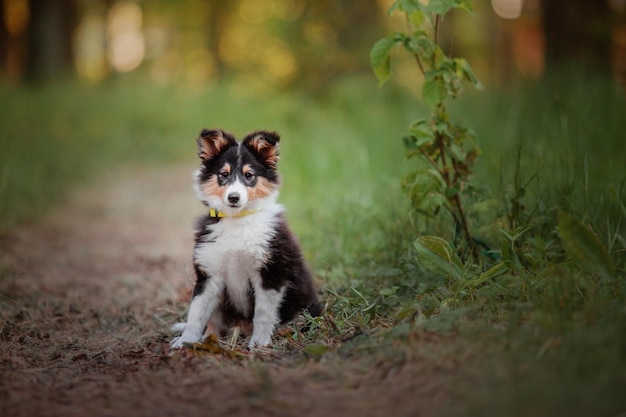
[
  {"x": 54, "y": 136},
  {"x": 547, "y": 325}
]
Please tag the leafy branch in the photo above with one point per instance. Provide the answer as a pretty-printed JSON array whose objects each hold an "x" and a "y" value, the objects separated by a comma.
[{"x": 449, "y": 148}]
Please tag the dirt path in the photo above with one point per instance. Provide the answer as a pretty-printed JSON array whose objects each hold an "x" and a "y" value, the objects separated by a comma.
[{"x": 85, "y": 297}]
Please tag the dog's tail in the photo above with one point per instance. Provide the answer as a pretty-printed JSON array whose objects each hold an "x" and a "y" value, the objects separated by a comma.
[{"x": 178, "y": 327}]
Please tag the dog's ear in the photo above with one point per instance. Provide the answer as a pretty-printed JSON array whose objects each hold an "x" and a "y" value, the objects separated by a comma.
[
  {"x": 212, "y": 142},
  {"x": 264, "y": 144}
]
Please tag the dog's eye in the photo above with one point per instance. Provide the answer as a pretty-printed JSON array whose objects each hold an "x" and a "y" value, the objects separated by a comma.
[
  {"x": 223, "y": 174},
  {"x": 249, "y": 175}
]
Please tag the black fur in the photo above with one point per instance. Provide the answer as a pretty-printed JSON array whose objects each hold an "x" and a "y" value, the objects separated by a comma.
[
  {"x": 213, "y": 165},
  {"x": 201, "y": 279},
  {"x": 285, "y": 266}
]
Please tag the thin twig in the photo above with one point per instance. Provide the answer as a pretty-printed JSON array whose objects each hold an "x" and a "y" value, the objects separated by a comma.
[
  {"x": 419, "y": 63},
  {"x": 442, "y": 152},
  {"x": 461, "y": 219},
  {"x": 455, "y": 216},
  {"x": 432, "y": 162},
  {"x": 468, "y": 235},
  {"x": 409, "y": 29}
]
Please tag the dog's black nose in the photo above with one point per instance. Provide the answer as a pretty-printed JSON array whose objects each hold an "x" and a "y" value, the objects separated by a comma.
[{"x": 233, "y": 198}]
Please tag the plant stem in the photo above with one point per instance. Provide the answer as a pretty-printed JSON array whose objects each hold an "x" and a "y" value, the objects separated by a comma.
[
  {"x": 449, "y": 173},
  {"x": 454, "y": 215},
  {"x": 442, "y": 155},
  {"x": 409, "y": 29},
  {"x": 432, "y": 162},
  {"x": 419, "y": 63},
  {"x": 468, "y": 234}
]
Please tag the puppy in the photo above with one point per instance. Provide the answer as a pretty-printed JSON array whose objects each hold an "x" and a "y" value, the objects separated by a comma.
[{"x": 249, "y": 267}]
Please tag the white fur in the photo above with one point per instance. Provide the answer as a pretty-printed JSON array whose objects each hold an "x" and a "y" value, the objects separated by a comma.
[
  {"x": 267, "y": 303},
  {"x": 200, "y": 310},
  {"x": 232, "y": 256},
  {"x": 178, "y": 327},
  {"x": 239, "y": 188},
  {"x": 210, "y": 200}
]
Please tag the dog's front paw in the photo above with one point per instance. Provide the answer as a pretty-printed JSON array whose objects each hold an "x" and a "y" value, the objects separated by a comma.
[
  {"x": 259, "y": 341},
  {"x": 179, "y": 342},
  {"x": 176, "y": 343}
]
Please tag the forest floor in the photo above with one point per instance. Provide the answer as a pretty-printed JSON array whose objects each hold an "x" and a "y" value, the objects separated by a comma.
[{"x": 87, "y": 297}]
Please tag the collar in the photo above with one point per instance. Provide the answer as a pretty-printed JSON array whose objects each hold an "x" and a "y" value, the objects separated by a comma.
[{"x": 220, "y": 214}]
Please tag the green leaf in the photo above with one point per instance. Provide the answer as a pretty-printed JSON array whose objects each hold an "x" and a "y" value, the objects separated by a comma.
[
  {"x": 410, "y": 142},
  {"x": 421, "y": 44},
  {"x": 391, "y": 291},
  {"x": 495, "y": 271},
  {"x": 456, "y": 152},
  {"x": 318, "y": 349},
  {"x": 434, "y": 91},
  {"x": 452, "y": 191},
  {"x": 407, "y": 6},
  {"x": 407, "y": 312},
  {"x": 438, "y": 255},
  {"x": 422, "y": 133},
  {"x": 441, "y": 7},
  {"x": 417, "y": 18},
  {"x": 510, "y": 258},
  {"x": 395, "y": 6},
  {"x": 583, "y": 246},
  {"x": 425, "y": 189},
  {"x": 465, "y": 5},
  {"x": 464, "y": 70},
  {"x": 380, "y": 58}
]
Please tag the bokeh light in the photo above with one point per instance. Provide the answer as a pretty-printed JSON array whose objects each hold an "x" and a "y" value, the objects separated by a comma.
[
  {"x": 507, "y": 9},
  {"x": 126, "y": 42}
]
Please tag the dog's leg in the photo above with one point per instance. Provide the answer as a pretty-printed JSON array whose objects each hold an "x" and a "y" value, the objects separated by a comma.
[
  {"x": 266, "y": 314},
  {"x": 216, "y": 323},
  {"x": 205, "y": 298}
]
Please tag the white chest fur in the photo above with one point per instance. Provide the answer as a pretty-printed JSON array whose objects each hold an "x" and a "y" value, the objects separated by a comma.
[{"x": 236, "y": 250}]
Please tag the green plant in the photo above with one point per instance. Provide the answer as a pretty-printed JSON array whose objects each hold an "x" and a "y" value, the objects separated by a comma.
[{"x": 448, "y": 147}]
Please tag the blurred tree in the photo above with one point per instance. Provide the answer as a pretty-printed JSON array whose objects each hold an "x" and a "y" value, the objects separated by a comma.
[
  {"x": 4, "y": 40},
  {"x": 218, "y": 14},
  {"x": 50, "y": 29},
  {"x": 577, "y": 31},
  {"x": 359, "y": 23},
  {"x": 332, "y": 38}
]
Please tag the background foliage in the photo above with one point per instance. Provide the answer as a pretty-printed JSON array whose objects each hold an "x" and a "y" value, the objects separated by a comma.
[{"x": 546, "y": 298}]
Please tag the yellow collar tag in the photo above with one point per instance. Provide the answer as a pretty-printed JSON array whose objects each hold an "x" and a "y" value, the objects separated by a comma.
[{"x": 219, "y": 214}]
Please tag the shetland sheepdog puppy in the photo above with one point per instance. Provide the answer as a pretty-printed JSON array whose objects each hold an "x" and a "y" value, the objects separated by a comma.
[{"x": 248, "y": 264}]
